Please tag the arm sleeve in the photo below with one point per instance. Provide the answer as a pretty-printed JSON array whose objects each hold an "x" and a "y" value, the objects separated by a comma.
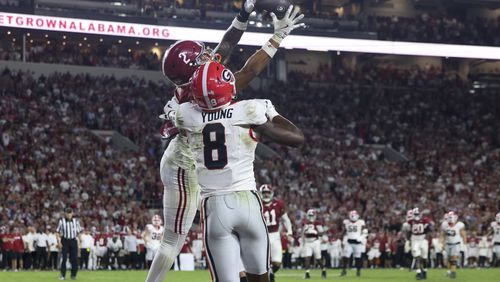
[{"x": 287, "y": 223}]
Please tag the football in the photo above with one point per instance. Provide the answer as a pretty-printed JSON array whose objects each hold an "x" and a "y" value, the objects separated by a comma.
[{"x": 278, "y": 7}]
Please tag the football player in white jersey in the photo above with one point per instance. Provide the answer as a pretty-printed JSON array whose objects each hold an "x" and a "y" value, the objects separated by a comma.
[
  {"x": 452, "y": 236},
  {"x": 353, "y": 228},
  {"x": 311, "y": 234},
  {"x": 152, "y": 236},
  {"x": 495, "y": 231},
  {"x": 275, "y": 214},
  {"x": 223, "y": 138},
  {"x": 181, "y": 194}
]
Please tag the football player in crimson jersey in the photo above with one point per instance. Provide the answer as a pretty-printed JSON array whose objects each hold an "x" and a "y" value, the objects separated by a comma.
[
  {"x": 181, "y": 193},
  {"x": 495, "y": 231},
  {"x": 416, "y": 230},
  {"x": 275, "y": 212},
  {"x": 312, "y": 231}
]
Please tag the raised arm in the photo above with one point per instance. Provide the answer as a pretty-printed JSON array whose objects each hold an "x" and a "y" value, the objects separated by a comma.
[
  {"x": 259, "y": 61},
  {"x": 235, "y": 31}
]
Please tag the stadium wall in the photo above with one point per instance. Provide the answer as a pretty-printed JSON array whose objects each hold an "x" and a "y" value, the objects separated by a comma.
[
  {"x": 402, "y": 8},
  {"x": 306, "y": 61},
  {"x": 47, "y": 69}
]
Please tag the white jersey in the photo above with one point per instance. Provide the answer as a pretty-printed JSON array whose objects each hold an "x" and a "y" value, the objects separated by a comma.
[
  {"x": 177, "y": 152},
  {"x": 222, "y": 144},
  {"x": 496, "y": 231},
  {"x": 154, "y": 236},
  {"x": 353, "y": 229},
  {"x": 452, "y": 233}
]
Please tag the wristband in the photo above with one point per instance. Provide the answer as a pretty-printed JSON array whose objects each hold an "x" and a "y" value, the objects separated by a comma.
[
  {"x": 278, "y": 37},
  {"x": 243, "y": 15},
  {"x": 269, "y": 49},
  {"x": 239, "y": 24}
]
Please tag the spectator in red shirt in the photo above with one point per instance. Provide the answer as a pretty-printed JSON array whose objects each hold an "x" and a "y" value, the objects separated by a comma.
[
  {"x": 6, "y": 238},
  {"x": 17, "y": 249}
]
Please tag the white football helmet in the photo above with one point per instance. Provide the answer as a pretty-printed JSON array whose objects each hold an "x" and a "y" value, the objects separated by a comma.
[
  {"x": 498, "y": 217},
  {"x": 409, "y": 215},
  {"x": 311, "y": 215},
  {"x": 452, "y": 217},
  {"x": 266, "y": 193},
  {"x": 416, "y": 214},
  {"x": 353, "y": 216},
  {"x": 156, "y": 220}
]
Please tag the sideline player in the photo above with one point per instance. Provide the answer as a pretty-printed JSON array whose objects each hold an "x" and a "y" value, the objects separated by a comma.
[
  {"x": 275, "y": 212},
  {"x": 181, "y": 192},
  {"x": 416, "y": 230},
  {"x": 495, "y": 231},
  {"x": 152, "y": 238},
  {"x": 312, "y": 231},
  {"x": 353, "y": 228},
  {"x": 453, "y": 233}
]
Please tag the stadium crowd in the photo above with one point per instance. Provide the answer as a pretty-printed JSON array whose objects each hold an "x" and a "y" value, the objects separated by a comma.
[
  {"x": 452, "y": 151},
  {"x": 380, "y": 140}
]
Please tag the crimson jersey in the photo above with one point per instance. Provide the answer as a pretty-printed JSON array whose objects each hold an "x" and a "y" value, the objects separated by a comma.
[
  {"x": 419, "y": 227},
  {"x": 7, "y": 242},
  {"x": 312, "y": 230},
  {"x": 17, "y": 244},
  {"x": 272, "y": 214},
  {"x": 101, "y": 239}
]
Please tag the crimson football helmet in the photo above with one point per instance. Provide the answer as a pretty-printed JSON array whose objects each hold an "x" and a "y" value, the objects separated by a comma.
[
  {"x": 353, "y": 216},
  {"x": 182, "y": 59},
  {"x": 498, "y": 217},
  {"x": 156, "y": 220},
  {"x": 311, "y": 215},
  {"x": 213, "y": 86},
  {"x": 266, "y": 192}
]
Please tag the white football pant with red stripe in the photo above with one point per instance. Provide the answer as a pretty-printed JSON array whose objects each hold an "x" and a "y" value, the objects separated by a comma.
[
  {"x": 233, "y": 226},
  {"x": 181, "y": 199}
]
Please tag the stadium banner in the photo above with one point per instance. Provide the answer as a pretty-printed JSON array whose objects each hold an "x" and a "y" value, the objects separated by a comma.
[{"x": 313, "y": 43}]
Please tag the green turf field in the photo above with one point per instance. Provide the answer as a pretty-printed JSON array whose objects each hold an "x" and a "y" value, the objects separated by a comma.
[{"x": 472, "y": 275}]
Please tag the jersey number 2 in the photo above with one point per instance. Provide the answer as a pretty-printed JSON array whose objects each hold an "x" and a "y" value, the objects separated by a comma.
[{"x": 214, "y": 149}]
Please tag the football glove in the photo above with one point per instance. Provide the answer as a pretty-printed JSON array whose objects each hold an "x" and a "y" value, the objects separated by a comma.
[{"x": 289, "y": 22}]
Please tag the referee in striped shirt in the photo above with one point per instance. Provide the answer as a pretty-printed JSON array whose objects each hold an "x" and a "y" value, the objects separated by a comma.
[{"x": 69, "y": 228}]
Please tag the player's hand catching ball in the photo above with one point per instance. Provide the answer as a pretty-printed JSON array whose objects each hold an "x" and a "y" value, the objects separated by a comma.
[
  {"x": 289, "y": 22},
  {"x": 249, "y": 5}
]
